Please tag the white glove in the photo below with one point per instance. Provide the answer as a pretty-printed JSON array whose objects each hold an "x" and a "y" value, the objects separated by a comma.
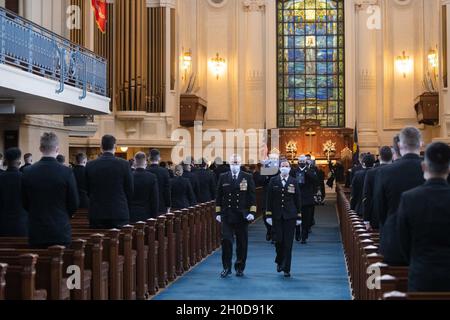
[
  {"x": 269, "y": 221},
  {"x": 299, "y": 223},
  {"x": 250, "y": 217},
  {"x": 219, "y": 218}
]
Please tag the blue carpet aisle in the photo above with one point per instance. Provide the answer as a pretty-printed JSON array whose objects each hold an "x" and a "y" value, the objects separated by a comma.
[{"x": 318, "y": 269}]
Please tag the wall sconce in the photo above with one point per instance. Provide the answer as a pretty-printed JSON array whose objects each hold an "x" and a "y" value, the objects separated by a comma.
[
  {"x": 124, "y": 149},
  {"x": 404, "y": 64},
  {"x": 433, "y": 59},
  {"x": 186, "y": 62},
  {"x": 218, "y": 65}
]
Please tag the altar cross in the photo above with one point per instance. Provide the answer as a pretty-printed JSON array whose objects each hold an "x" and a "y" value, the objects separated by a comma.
[{"x": 310, "y": 133}]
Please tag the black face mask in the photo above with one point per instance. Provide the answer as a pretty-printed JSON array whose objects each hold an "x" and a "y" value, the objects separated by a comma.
[{"x": 302, "y": 165}]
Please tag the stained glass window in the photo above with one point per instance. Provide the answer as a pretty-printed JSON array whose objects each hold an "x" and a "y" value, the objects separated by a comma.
[{"x": 310, "y": 62}]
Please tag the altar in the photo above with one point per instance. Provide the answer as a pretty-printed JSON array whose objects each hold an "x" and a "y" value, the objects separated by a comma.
[{"x": 323, "y": 144}]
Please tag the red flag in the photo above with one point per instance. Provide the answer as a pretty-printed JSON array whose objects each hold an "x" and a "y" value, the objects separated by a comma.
[{"x": 101, "y": 14}]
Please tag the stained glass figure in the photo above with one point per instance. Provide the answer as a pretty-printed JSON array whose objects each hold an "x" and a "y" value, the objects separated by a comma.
[{"x": 311, "y": 62}]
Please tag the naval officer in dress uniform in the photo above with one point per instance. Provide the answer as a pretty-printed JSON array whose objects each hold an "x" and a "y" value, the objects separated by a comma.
[
  {"x": 283, "y": 214},
  {"x": 236, "y": 208}
]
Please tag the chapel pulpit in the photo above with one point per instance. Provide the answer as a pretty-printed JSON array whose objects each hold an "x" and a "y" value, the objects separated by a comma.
[{"x": 192, "y": 109}]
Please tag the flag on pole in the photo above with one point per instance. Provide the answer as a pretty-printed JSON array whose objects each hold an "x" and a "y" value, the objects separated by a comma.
[
  {"x": 355, "y": 145},
  {"x": 100, "y": 13}
]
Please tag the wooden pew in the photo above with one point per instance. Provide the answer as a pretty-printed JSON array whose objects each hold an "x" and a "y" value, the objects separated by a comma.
[
  {"x": 49, "y": 270},
  {"x": 75, "y": 255},
  {"x": 161, "y": 252},
  {"x": 136, "y": 283},
  {"x": 110, "y": 255},
  {"x": 178, "y": 234},
  {"x": 361, "y": 253},
  {"x": 3, "y": 267},
  {"x": 421, "y": 296},
  {"x": 151, "y": 242},
  {"x": 142, "y": 263},
  {"x": 94, "y": 267},
  {"x": 20, "y": 278}
]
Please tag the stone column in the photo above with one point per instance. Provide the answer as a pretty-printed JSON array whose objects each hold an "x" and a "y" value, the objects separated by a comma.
[
  {"x": 367, "y": 21},
  {"x": 444, "y": 94},
  {"x": 254, "y": 111}
]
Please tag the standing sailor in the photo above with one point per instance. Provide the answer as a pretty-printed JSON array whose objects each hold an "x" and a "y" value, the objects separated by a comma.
[
  {"x": 236, "y": 208},
  {"x": 284, "y": 214}
]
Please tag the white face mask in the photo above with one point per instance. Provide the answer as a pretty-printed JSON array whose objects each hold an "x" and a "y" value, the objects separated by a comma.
[
  {"x": 235, "y": 168},
  {"x": 285, "y": 171}
]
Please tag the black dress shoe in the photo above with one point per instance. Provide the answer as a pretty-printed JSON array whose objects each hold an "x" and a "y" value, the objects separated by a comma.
[
  {"x": 225, "y": 273},
  {"x": 239, "y": 273},
  {"x": 303, "y": 242},
  {"x": 297, "y": 237},
  {"x": 287, "y": 275},
  {"x": 279, "y": 268}
]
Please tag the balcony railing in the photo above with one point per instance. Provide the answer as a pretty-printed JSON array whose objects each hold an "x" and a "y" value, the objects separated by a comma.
[{"x": 34, "y": 49}]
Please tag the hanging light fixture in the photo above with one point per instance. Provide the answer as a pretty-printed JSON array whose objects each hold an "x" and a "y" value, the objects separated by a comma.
[
  {"x": 218, "y": 65},
  {"x": 124, "y": 149}
]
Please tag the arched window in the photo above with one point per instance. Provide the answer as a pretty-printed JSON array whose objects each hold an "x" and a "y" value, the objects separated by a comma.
[{"x": 311, "y": 77}]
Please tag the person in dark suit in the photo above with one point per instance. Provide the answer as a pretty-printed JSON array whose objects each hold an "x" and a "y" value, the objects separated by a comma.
[
  {"x": 79, "y": 171},
  {"x": 236, "y": 207},
  {"x": 181, "y": 189},
  {"x": 370, "y": 220},
  {"x": 424, "y": 225},
  {"x": 207, "y": 183},
  {"x": 61, "y": 159},
  {"x": 308, "y": 184},
  {"x": 163, "y": 181},
  {"x": 221, "y": 167},
  {"x": 171, "y": 168},
  {"x": 145, "y": 202},
  {"x": 283, "y": 214},
  {"x": 49, "y": 194},
  {"x": 269, "y": 168},
  {"x": 321, "y": 178},
  {"x": 28, "y": 159},
  {"x": 357, "y": 167},
  {"x": 13, "y": 217},
  {"x": 193, "y": 179},
  {"x": 109, "y": 184},
  {"x": 390, "y": 182},
  {"x": 396, "y": 155},
  {"x": 356, "y": 201}
]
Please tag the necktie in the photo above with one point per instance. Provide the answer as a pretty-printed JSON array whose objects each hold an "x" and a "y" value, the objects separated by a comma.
[
  {"x": 284, "y": 182},
  {"x": 234, "y": 177}
]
